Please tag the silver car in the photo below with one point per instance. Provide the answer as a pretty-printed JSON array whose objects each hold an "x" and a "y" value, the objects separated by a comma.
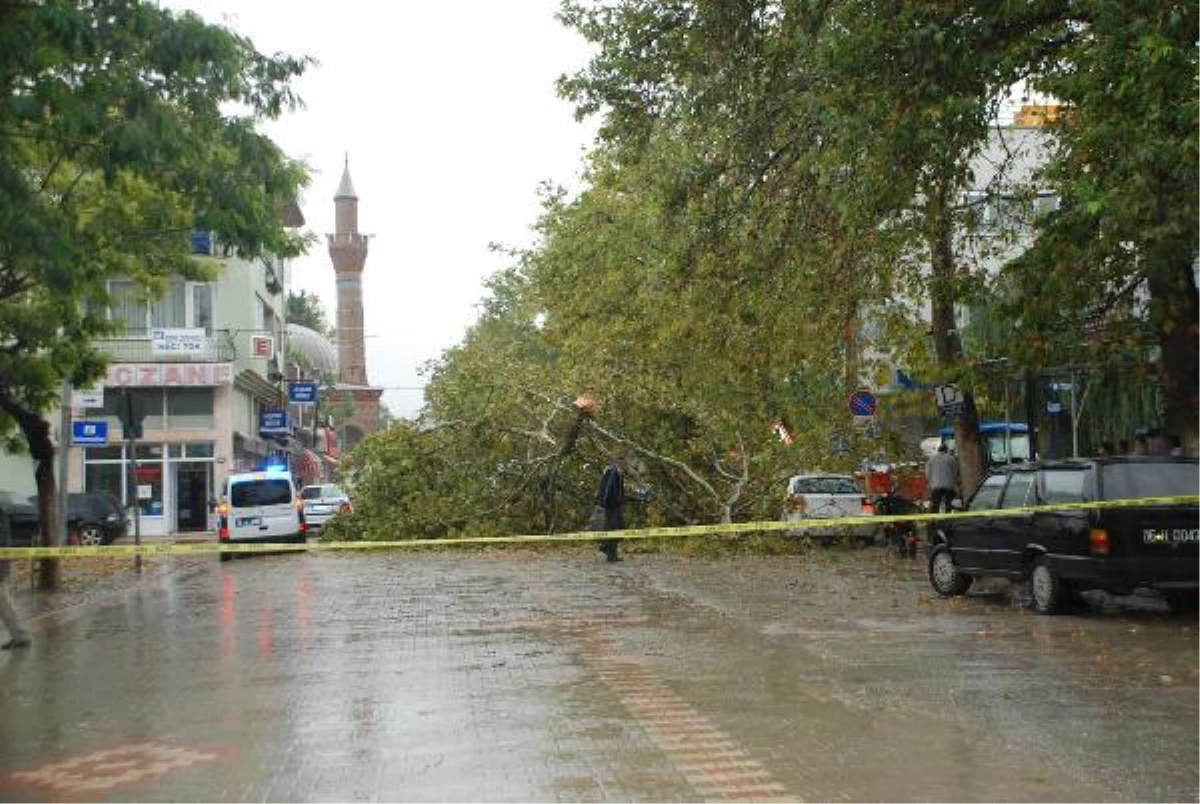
[{"x": 321, "y": 502}]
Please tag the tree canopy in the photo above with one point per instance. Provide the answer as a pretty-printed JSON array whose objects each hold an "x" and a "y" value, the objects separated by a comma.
[
  {"x": 780, "y": 208},
  {"x": 123, "y": 128}
]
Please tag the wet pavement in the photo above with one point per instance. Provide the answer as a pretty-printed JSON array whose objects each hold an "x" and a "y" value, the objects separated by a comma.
[{"x": 519, "y": 675}]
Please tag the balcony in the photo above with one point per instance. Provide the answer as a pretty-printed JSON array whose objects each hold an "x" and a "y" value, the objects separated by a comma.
[{"x": 136, "y": 347}]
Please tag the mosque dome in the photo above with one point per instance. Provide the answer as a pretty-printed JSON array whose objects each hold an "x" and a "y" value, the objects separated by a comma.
[{"x": 312, "y": 349}]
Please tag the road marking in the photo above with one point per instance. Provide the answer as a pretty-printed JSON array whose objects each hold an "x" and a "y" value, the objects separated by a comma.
[
  {"x": 711, "y": 761},
  {"x": 101, "y": 771}
]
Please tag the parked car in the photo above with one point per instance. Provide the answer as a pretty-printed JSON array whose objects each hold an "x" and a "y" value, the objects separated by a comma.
[
  {"x": 22, "y": 517},
  {"x": 95, "y": 518},
  {"x": 1062, "y": 553},
  {"x": 260, "y": 507},
  {"x": 813, "y": 497},
  {"x": 322, "y": 502}
]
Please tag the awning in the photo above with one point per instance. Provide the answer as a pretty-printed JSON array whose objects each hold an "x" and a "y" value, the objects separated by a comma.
[{"x": 306, "y": 466}]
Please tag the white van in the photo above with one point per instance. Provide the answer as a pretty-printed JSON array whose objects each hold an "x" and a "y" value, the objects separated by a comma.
[{"x": 260, "y": 507}]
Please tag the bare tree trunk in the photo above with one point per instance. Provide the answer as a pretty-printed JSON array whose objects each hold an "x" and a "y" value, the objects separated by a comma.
[
  {"x": 947, "y": 341},
  {"x": 1175, "y": 302},
  {"x": 37, "y": 433}
]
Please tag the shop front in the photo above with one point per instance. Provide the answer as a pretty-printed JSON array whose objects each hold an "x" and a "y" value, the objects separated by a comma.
[{"x": 172, "y": 472}]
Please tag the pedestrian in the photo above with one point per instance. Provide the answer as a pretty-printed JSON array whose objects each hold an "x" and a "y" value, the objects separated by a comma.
[
  {"x": 612, "y": 499},
  {"x": 942, "y": 473},
  {"x": 18, "y": 638}
]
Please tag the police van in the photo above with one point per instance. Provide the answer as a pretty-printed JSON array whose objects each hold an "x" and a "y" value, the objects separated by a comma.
[{"x": 260, "y": 507}]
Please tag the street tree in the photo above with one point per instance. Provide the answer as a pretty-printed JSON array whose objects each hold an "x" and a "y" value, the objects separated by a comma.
[
  {"x": 123, "y": 128},
  {"x": 1112, "y": 274}
]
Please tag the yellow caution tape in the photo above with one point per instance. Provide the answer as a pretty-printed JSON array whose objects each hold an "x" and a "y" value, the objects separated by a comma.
[{"x": 806, "y": 524}]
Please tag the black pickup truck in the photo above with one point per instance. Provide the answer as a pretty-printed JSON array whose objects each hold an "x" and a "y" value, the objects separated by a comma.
[{"x": 1064, "y": 552}]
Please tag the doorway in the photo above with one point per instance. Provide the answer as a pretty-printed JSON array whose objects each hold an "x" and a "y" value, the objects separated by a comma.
[{"x": 191, "y": 484}]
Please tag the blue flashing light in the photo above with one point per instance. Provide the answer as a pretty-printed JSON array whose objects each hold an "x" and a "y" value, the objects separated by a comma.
[{"x": 275, "y": 467}]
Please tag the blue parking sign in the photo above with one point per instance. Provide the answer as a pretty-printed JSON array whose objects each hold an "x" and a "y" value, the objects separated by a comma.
[{"x": 86, "y": 432}]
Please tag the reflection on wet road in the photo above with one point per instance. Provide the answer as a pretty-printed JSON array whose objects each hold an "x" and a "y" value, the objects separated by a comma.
[{"x": 520, "y": 676}]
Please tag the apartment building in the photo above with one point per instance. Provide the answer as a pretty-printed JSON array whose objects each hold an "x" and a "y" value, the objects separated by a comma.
[{"x": 201, "y": 366}]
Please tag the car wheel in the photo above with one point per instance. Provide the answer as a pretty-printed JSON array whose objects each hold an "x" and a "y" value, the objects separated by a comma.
[
  {"x": 91, "y": 535},
  {"x": 944, "y": 574},
  {"x": 1050, "y": 592}
]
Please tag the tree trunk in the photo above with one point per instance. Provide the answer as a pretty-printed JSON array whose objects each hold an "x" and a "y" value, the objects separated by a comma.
[
  {"x": 37, "y": 434},
  {"x": 1175, "y": 304},
  {"x": 947, "y": 342}
]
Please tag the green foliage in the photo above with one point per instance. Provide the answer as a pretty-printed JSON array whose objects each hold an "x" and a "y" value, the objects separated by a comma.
[
  {"x": 118, "y": 138},
  {"x": 770, "y": 179},
  {"x": 305, "y": 309}
]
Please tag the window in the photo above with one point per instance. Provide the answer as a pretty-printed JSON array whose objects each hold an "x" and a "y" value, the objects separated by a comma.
[
  {"x": 1017, "y": 493},
  {"x": 129, "y": 306},
  {"x": 825, "y": 485},
  {"x": 1062, "y": 486},
  {"x": 987, "y": 496},
  {"x": 189, "y": 407},
  {"x": 1132, "y": 480},
  {"x": 202, "y": 307},
  {"x": 271, "y": 491},
  {"x": 171, "y": 309},
  {"x": 105, "y": 477}
]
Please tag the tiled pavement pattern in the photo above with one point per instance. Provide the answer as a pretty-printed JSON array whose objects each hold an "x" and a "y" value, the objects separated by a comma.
[
  {"x": 513, "y": 675},
  {"x": 99, "y": 772}
]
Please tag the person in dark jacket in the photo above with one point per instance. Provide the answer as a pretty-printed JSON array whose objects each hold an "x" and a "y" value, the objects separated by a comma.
[
  {"x": 8, "y": 614},
  {"x": 612, "y": 500}
]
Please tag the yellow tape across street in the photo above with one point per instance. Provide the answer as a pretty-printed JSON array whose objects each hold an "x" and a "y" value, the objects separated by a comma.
[{"x": 198, "y": 548}]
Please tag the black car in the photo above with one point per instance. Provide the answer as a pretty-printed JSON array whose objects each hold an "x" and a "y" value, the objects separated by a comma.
[
  {"x": 93, "y": 518},
  {"x": 22, "y": 517},
  {"x": 1064, "y": 552}
]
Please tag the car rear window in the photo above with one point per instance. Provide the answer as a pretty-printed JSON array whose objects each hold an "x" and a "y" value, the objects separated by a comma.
[
  {"x": 825, "y": 485},
  {"x": 1122, "y": 481},
  {"x": 274, "y": 491},
  {"x": 1062, "y": 486},
  {"x": 317, "y": 492}
]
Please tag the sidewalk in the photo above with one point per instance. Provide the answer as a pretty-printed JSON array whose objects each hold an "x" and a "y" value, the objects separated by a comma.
[{"x": 84, "y": 579}]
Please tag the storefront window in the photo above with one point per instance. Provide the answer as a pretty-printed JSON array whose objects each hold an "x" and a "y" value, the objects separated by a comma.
[
  {"x": 190, "y": 407},
  {"x": 201, "y": 449},
  {"x": 105, "y": 477},
  {"x": 150, "y": 488}
]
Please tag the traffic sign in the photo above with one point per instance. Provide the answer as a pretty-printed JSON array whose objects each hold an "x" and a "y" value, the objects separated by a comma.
[
  {"x": 272, "y": 421},
  {"x": 85, "y": 432},
  {"x": 950, "y": 400},
  {"x": 863, "y": 403},
  {"x": 302, "y": 393}
]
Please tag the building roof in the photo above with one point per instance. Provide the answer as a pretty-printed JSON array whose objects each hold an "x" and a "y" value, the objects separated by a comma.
[
  {"x": 346, "y": 187},
  {"x": 313, "y": 348}
]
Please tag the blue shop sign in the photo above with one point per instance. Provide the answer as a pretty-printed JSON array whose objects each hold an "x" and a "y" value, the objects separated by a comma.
[
  {"x": 302, "y": 393},
  {"x": 89, "y": 432},
  {"x": 272, "y": 421}
]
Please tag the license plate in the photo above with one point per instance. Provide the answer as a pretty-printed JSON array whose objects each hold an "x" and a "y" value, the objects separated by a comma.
[{"x": 247, "y": 520}]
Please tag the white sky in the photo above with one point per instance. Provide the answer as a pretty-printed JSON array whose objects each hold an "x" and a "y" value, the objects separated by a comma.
[{"x": 448, "y": 113}]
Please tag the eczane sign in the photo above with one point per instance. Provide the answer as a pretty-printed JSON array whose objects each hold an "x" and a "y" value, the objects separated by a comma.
[{"x": 121, "y": 375}]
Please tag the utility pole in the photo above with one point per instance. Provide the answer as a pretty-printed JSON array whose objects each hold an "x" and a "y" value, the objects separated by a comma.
[
  {"x": 131, "y": 424},
  {"x": 64, "y": 446}
]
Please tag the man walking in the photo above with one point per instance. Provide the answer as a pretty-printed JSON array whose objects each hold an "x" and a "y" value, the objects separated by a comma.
[
  {"x": 942, "y": 474},
  {"x": 8, "y": 613},
  {"x": 612, "y": 500}
]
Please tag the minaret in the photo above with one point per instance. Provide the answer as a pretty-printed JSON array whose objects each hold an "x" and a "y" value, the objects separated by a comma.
[{"x": 348, "y": 250}]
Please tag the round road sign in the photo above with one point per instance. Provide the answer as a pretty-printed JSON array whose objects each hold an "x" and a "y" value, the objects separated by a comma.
[{"x": 863, "y": 403}]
